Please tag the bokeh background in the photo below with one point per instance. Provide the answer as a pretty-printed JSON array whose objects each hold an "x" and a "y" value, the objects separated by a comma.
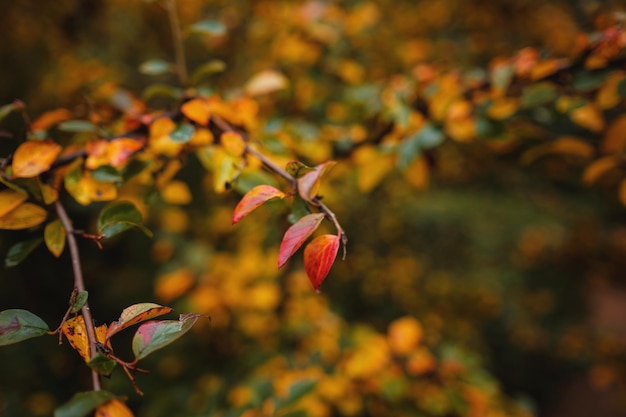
[{"x": 475, "y": 285}]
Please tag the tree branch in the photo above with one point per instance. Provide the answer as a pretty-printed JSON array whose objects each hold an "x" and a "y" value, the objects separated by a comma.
[
  {"x": 177, "y": 39},
  {"x": 79, "y": 283}
]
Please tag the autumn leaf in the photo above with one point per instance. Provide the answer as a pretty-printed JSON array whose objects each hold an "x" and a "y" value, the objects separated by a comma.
[
  {"x": 154, "y": 335},
  {"x": 309, "y": 183},
  {"x": 10, "y": 199},
  {"x": 254, "y": 198},
  {"x": 233, "y": 143},
  {"x": 296, "y": 235},
  {"x": 83, "y": 403},
  {"x": 266, "y": 82},
  {"x": 136, "y": 314},
  {"x": 76, "y": 333},
  {"x": 118, "y": 217},
  {"x": 50, "y": 118},
  {"x": 24, "y": 216},
  {"x": 113, "y": 408},
  {"x": 32, "y": 158},
  {"x": 319, "y": 256},
  {"x": 197, "y": 110},
  {"x": 54, "y": 235},
  {"x": 598, "y": 168}
]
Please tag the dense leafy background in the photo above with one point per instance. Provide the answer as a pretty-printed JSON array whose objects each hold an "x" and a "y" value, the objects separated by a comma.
[{"x": 503, "y": 269}]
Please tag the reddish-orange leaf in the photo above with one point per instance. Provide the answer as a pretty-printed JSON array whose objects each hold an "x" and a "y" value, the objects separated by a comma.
[
  {"x": 113, "y": 408},
  {"x": 309, "y": 183},
  {"x": 319, "y": 256},
  {"x": 254, "y": 198},
  {"x": 48, "y": 119},
  {"x": 136, "y": 314},
  {"x": 32, "y": 158},
  {"x": 297, "y": 234}
]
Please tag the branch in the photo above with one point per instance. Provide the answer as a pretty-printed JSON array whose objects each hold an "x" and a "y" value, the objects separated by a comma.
[
  {"x": 79, "y": 283},
  {"x": 177, "y": 39},
  {"x": 330, "y": 214}
]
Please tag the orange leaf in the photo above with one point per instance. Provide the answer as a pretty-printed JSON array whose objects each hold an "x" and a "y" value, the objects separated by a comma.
[
  {"x": 588, "y": 116},
  {"x": 233, "y": 143},
  {"x": 50, "y": 118},
  {"x": 197, "y": 110},
  {"x": 614, "y": 140},
  {"x": 598, "y": 168},
  {"x": 34, "y": 157},
  {"x": 319, "y": 256},
  {"x": 113, "y": 408},
  {"x": 76, "y": 333},
  {"x": 10, "y": 199},
  {"x": 309, "y": 183},
  {"x": 254, "y": 198},
  {"x": 136, "y": 314},
  {"x": 24, "y": 216},
  {"x": 297, "y": 234}
]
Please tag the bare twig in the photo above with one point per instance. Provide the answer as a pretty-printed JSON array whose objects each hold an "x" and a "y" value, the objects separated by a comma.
[
  {"x": 79, "y": 283},
  {"x": 177, "y": 39}
]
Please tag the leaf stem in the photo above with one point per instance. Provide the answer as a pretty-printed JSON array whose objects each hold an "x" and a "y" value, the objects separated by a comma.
[
  {"x": 79, "y": 283},
  {"x": 342, "y": 234},
  {"x": 177, "y": 38}
]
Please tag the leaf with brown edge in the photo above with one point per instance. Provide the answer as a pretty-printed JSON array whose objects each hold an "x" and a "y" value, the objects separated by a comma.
[
  {"x": 297, "y": 234},
  {"x": 136, "y": 314},
  {"x": 154, "y": 335},
  {"x": 76, "y": 333},
  {"x": 309, "y": 183},
  {"x": 24, "y": 216},
  {"x": 113, "y": 408},
  {"x": 254, "y": 198},
  {"x": 32, "y": 158},
  {"x": 319, "y": 256}
]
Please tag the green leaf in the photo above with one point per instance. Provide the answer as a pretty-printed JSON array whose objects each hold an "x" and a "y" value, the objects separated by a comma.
[
  {"x": 212, "y": 67},
  {"x": 209, "y": 27},
  {"x": 77, "y": 126},
  {"x": 79, "y": 299},
  {"x": 589, "y": 80},
  {"x": 83, "y": 403},
  {"x": 501, "y": 76},
  {"x": 54, "y": 235},
  {"x": 297, "y": 169},
  {"x": 154, "y": 335},
  {"x": 106, "y": 173},
  {"x": 183, "y": 133},
  {"x": 537, "y": 95},
  {"x": 164, "y": 90},
  {"x": 297, "y": 390},
  {"x": 9, "y": 108},
  {"x": 427, "y": 137},
  {"x": 102, "y": 364},
  {"x": 299, "y": 209},
  {"x": 134, "y": 167},
  {"x": 118, "y": 217},
  {"x": 20, "y": 251},
  {"x": 621, "y": 88},
  {"x": 17, "y": 325},
  {"x": 156, "y": 67}
]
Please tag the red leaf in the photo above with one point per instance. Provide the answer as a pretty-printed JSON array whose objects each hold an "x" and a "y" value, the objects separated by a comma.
[
  {"x": 297, "y": 234},
  {"x": 254, "y": 198},
  {"x": 136, "y": 314},
  {"x": 309, "y": 183},
  {"x": 319, "y": 256}
]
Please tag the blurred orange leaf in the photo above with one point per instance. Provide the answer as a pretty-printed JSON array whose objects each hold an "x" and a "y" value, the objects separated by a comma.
[
  {"x": 23, "y": 216},
  {"x": 50, "y": 118},
  {"x": 113, "y": 408},
  {"x": 588, "y": 116},
  {"x": 565, "y": 145},
  {"x": 297, "y": 234},
  {"x": 172, "y": 285},
  {"x": 598, "y": 168},
  {"x": 32, "y": 158},
  {"x": 233, "y": 143},
  {"x": 197, "y": 110},
  {"x": 403, "y": 335},
  {"x": 176, "y": 192},
  {"x": 614, "y": 140},
  {"x": 254, "y": 198},
  {"x": 136, "y": 314},
  {"x": 319, "y": 256}
]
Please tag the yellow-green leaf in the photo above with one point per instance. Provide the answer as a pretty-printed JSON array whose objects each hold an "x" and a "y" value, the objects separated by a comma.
[
  {"x": 24, "y": 216},
  {"x": 54, "y": 235}
]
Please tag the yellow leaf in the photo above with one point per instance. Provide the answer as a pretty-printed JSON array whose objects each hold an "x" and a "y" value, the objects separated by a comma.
[
  {"x": 197, "y": 110},
  {"x": 503, "y": 107},
  {"x": 173, "y": 284},
  {"x": 176, "y": 192},
  {"x": 113, "y": 408},
  {"x": 160, "y": 141},
  {"x": 266, "y": 82},
  {"x": 87, "y": 190},
  {"x": 23, "y": 216},
  {"x": 350, "y": 71},
  {"x": 565, "y": 145},
  {"x": 76, "y": 333},
  {"x": 48, "y": 193},
  {"x": 372, "y": 167},
  {"x": 54, "y": 235},
  {"x": 614, "y": 140},
  {"x": 546, "y": 67},
  {"x": 588, "y": 116},
  {"x": 34, "y": 157},
  {"x": 233, "y": 143},
  {"x": 201, "y": 137},
  {"x": 10, "y": 199},
  {"x": 598, "y": 168},
  {"x": 174, "y": 220}
]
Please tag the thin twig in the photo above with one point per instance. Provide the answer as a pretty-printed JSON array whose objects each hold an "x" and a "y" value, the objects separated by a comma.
[
  {"x": 342, "y": 234},
  {"x": 79, "y": 283},
  {"x": 177, "y": 39}
]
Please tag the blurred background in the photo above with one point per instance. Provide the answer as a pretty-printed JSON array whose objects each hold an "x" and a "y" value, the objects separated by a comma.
[{"x": 474, "y": 286}]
